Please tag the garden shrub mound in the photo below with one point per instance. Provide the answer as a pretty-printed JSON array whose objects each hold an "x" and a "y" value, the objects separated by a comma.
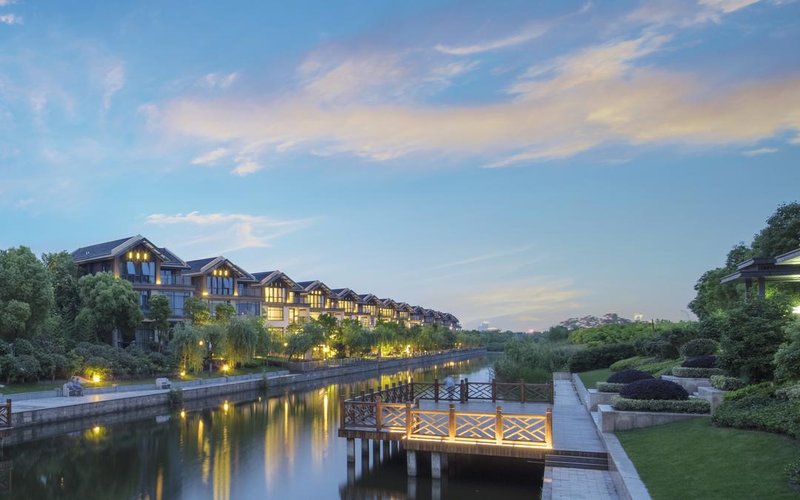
[
  {"x": 628, "y": 376},
  {"x": 759, "y": 407},
  {"x": 663, "y": 405},
  {"x": 707, "y": 361},
  {"x": 653, "y": 366},
  {"x": 609, "y": 387},
  {"x": 699, "y": 347},
  {"x": 599, "y": 357},
  {"x": 654, "y": 389},
  {"x": 724, "y": 383}
]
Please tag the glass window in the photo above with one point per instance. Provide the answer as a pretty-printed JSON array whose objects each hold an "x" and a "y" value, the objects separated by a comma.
[
  {"x": 276, "y": 294},
  {"x": 275, "y": 313}
]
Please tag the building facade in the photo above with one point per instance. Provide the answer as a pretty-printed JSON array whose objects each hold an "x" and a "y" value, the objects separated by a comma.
[{"x": 270, "y": 295}]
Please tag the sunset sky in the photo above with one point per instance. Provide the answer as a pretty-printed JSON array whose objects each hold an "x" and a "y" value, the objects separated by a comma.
[{"x": 514, "y": 162}]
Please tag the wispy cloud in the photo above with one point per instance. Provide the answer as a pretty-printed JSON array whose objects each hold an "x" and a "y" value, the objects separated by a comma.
[
  {"x": 523, "y": 36},
  {"x": 113, "y": 82},
  {"x": 484, "y": 257},
  {"x": 10, "y": 19},
  {"x": 226, "y": 232},
  {"x": 211, "y": 157},
  {"x": 760, "y": 151},
  {"x": 219, "y": 80}
]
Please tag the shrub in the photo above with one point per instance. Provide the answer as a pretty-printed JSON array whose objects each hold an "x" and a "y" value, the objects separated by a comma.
[
  {"x": 724, "y": 383},
  {"x": 688, "y": 372},
  {"x": 624, "y": 364},
  {"x": 660, "y": 405},
  {"x": 628, "y": 376},
  {"x": 175, "y": 398},
  {"x": 531, "y": 361},
  {"x": 755, "y": 331},
  {"x": 760, "y": 412},
  {"x": 787, "y": 358},
  {"x": 654, "y": 389},
  {"x": 650, "y": 365},
  {"x": 699, "y": 347},
  {"x": 793, "y": 472},
  {"x": 654, "y": 348},
  {"x": 594, "y": 358},
  {"x": 762, "y": 389},
  {"x": 700, "y": 362},
  {"x": 609, "y": 387},
  {"x": 789, "y": 392}
]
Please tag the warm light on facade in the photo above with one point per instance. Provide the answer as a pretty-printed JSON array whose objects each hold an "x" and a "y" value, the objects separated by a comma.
[{"x": 796, "y": 309}]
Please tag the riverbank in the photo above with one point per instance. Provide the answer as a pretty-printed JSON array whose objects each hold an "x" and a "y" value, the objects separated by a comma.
[{"x": 48, "y": 409}]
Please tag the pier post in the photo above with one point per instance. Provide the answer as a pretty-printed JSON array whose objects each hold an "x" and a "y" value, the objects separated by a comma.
[
  {"x": 436, "y": 489},
  {"x": 351, "y": 473},
  {"x": 445, "y": 462},
  {"x": 548, "y": 430},
  {"x": 351, "y": 450},
  {"x": 498, "y": 425},
  {"x": 411, "y": 463},
  {"x": 376, "y": 452},
  {"x": 365, "y": 448},
  {"x": 436, "y": 465},
  {"x": 385, "y": 446},
  {"x": 451, "y": 421},
  {"x": 494, "y": 390}
]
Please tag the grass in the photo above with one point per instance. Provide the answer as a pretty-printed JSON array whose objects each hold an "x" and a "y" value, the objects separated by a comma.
[
  {"x": 591, "y": 378},
  {"x": 693, "y": 459}
]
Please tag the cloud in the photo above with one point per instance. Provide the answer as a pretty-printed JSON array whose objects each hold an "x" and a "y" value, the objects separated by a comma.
[
  {"x": 247, "y": 167},
  {"x": 4, "y": 3},
  {"x": 225, "y": 231},
  {"x": 533, "y": 301},
  {"x": 113, "y": 82},
  {"x": 219, "y": 80},
  {"x": 760, "y": 151},
  {"x": 211, "y": 157},
  {"x": 10, "y": 19},
  {"x": 484, "y": 257},
  {"x": 523, "y": 36}
]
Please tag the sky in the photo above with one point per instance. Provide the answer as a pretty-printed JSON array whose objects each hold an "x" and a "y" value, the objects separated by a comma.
[{"x": 514, "y": 162}]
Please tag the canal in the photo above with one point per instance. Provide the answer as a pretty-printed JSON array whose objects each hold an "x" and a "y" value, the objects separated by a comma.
[{"x": 269, "y": 444}]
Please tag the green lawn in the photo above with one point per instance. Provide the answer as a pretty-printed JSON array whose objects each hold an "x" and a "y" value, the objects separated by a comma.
[
  {"x": 591, "y": 378},
  {"x": 693, "y": 459}
]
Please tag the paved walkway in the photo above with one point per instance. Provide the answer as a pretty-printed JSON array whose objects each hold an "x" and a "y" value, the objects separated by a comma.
[
  {"x": 578, "y": 484},
  {"x": 58, "y": 402}
]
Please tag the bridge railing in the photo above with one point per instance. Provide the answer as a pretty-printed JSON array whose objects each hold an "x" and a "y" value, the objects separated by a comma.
[
  {"x": 448, "y": 425},
  {"x": 5, "y": 414},
  {"x": 463, "y": 391}
]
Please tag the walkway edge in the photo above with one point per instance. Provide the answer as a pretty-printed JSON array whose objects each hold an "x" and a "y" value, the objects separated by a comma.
[{"x": 626, "y": 478}]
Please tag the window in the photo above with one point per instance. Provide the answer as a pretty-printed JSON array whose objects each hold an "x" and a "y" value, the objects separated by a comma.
[
  {"x": 316, "y": 299},
  {"x": 294, "y": 315},
  {"x": 275, "y": 294},
  {"x": 138, "y": 266},
  {"x": 247, "y": 308},
  {"x": 219, "y": 285},
  {"x": 347, "y": 305},
  {"x": 275, "y": 313}
]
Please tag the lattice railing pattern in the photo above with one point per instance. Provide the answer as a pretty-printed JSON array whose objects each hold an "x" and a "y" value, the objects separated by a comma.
[
  {"x": 476, "y": 426},
  {"x": 393, "y": 417},
  {"x": 527, "y": 428},
  {"x": 359, "y": 414},
  {"x": 423, "y": 390},
  {"x": 430, "y": 423}
]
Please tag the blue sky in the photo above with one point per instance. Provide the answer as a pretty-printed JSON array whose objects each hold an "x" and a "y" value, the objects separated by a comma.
[{"x": 516, "y": 162}]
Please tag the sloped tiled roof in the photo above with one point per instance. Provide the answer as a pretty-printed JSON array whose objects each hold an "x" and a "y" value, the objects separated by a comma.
[
  {"x": 172, "y": 260},
  {"x": 196, "y": 266}
]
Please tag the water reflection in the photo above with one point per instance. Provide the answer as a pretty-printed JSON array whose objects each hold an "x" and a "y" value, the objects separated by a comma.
[{"x": 276, "y": 444}]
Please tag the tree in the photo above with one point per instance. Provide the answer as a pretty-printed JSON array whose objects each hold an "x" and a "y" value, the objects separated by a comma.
[
  {"x": 160, "y": 311},
  {"x": 354, "y": 338},
  {"x": 64, "y": 277},
  {"x": 108, "y": 304},
  {"x": 224, "y": 312},
  {"x": 782, "y": 233},
  {"x": 241, "y": 339},
  {"x": 26, "y": 293},
  {"x": 755, "y": 331},
  {"x": 196, "y": 311},
  {"x": 185, "y": 345},
  {"x": 299, "y": 343}
]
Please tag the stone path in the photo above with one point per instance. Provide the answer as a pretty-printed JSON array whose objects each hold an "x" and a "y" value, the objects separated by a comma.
[
  {"x": 58, "y": 402},
  {"x": 578, "y": 484}
]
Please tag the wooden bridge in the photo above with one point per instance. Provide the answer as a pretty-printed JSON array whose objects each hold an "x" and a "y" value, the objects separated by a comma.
[{"x": 473, "y": 418}]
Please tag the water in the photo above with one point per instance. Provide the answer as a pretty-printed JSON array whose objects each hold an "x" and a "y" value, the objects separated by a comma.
[{"x": 268, "y": 445}]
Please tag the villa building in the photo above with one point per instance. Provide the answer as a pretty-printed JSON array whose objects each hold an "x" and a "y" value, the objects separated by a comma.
[
  {"x": 271, "y": 295},
  {"x": 784, "y": 268}
]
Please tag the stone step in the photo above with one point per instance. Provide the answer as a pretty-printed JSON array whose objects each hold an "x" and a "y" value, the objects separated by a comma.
[{"x": 576, "y": 462}]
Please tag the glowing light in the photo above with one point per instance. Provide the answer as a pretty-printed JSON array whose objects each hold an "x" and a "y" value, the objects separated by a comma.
[
  {"x": 183, "y": 414},
  {"x": 205, "y": 293},
  {"x": 96, "y": 429},
  {"x": 796, "y": 309},
  {"x": 285, "y": 344},
  {"x": 183, "y": 373},
  {"x": 225, "y": 367},
  {"x": 95, "y": 378},
  {"x": 201, "y": 343},
  {"x": 225, "y": 407}
]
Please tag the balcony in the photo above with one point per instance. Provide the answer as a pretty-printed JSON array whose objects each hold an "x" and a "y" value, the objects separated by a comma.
[{"x": 143, "y": 279}]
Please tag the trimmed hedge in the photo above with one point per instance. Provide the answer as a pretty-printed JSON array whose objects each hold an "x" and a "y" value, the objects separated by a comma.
[
  {"x": 724, "y": 383},
  {"x": 789, "y": 392},
  {"x": 700, "y": 362},
  {"x": 609, "y": 387},
  {"x": 654, "y": 389},
  {"x": 663, "y": 406},
  {"x": 594, "y": 358},
  {"x": 683, "y": 372},
  {"x": 628, "y": 376},
  {"x": 652, "y": 366},
  {"x": 699, "y": 347},
  {"x": 760, "y": 412}
]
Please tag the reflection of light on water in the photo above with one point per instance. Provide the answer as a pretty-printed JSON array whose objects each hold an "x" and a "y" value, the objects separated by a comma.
[
  {"x": 160, "y": 484},
  {"x": 222, "y": 468}
]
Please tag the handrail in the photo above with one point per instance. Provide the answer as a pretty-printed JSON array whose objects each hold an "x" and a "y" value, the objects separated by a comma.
[{"x": 463, "y": 392}]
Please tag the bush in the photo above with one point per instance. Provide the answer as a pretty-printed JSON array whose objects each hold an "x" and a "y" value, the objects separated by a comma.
[
  {"x": 700, "y": 362},
  {"x": 628, "y": 376},
  {"x": 660, "y": 405},
  {"x": 609, "y": 387},
  {"x": 793, "y": 472},
  {"x": 594, "y": 358},
  {"x": 532, "y": 361},
  {"x": 624, "y": 364},
  {"x": 760, "y": 412},
  {"x": 724, "y": 383},
  {"x": 787, "y": 358},
  {"x": 762, "y": 389},
  {"x": 788, "y": 392},
  {"x": 688, "y": 372},
  {"x": 650, "y": 365},
  {"x": 699, "y": 347},
  {"x": 654, "y": 389},
  {"x": 755, "y": 331}
]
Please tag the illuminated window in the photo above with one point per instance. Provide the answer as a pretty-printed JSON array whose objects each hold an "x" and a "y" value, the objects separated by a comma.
[
  {"x": 275, "y": 313},
  {"x": 316, "y": 299},
  {"x": 275, "y": 294},
  {"x": 347, "y": 305}
]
